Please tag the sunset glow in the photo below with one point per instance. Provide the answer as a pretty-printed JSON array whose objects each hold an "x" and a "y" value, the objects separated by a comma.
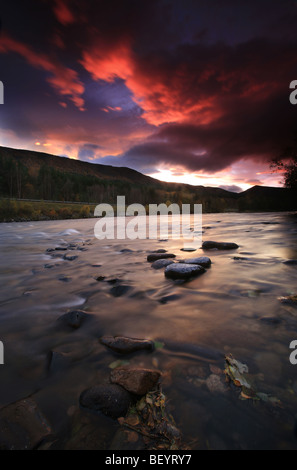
[{"x": 194, "y": 98}]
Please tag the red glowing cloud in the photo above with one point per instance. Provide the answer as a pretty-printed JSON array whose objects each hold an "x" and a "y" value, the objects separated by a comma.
[{"x": 63, "y": 79}]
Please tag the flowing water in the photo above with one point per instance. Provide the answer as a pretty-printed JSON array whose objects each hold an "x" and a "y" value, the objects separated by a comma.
[{"x": 233, "y": 308}]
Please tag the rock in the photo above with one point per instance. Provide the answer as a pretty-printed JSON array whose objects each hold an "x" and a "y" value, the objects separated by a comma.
[
  {"x": 156, "y": 256},
  {"x": 61, "y": 248},
  {"x": 111, "y": 399},
  {"x": 73, "y": 319},
  {"x": 162, "y": 263},
  {"x": 64, "y": 278},
  {"x": 188, "y": 249},
  {"x": 290, "y": 300},
  {"x": 22, "y": 426},
  {"x": 119, "y": 291},
  {"x": 135, "y": 380},
  {"x": 291, "y": 262},
  {"x": 183, "y": 271},
  {"x": 124, "y": 345},
  {"x": 70, "y": 257},
  {"x": 215, "y": 385},
  {"x": 210, "y": 245},
  {"x": 202, "y": 261}
]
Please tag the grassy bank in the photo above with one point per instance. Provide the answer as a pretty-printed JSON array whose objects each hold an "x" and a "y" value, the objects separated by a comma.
[{"x": 12, "y": 210}]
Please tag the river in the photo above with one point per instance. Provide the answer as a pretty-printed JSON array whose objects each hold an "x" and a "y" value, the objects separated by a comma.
[{"x": 233, "y": 308}]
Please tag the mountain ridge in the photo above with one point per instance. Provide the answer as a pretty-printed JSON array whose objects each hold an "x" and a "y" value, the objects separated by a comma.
[{"x": 45, "y": 176}]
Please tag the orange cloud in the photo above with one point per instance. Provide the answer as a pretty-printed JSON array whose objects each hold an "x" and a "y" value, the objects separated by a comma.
[
  {"x": 157, "y": 91},
  {"x": 63, "y": 79}
]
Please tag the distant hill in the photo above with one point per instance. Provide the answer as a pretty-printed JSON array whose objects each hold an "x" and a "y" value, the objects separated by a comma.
[{"x": 27, "y": 174}]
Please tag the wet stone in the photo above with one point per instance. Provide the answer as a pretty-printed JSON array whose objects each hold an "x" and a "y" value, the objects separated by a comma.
[
  {"x": 135, "y": 380},
  {"x": 73, "y": 319},
  {"x": 157, "y": 256},
  {"x": 162, "y": 263},
  {"x": 22, "y": 426},
  {"x": 111, "y": 399},
  {"x": 210, "y": 245},
  {"x": 124, "y": 345},
  {"x": 183, "y": 271},
  {"x": 119, "y": 291},
  {"x": 202, "y": 261}
]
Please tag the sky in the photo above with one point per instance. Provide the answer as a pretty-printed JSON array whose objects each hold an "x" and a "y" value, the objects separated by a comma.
[{"x": 192, "y": 91}]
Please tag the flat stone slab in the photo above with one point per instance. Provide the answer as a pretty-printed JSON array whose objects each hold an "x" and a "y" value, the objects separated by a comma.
[{"x": 183, "y": 271}]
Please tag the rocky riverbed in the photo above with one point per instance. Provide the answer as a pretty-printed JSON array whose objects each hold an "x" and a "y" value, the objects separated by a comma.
[{"x": 143, "y": 344}]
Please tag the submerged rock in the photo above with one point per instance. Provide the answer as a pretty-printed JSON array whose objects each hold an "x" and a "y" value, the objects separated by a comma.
[
  {"x": 183, "y": 271},
  {"x": 119, "y": 291},
  {"x": 156, "y": 256},
  {"x": 73, "y": 319},
  {"x": 70, "y": 257},
  {"x": 124, "y": 345},
  {"x": 22, "y": 426},
  {"x": 135, "y": 380},
  {"x": 202, "y": 261},
  {"x": 291, "y": 262},
  {"x": 111, "y": 399},
  {"x": 210, "y": 245}
]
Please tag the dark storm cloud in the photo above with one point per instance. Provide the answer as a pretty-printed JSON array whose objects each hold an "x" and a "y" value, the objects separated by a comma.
[{"x": 196, "y": 84}]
